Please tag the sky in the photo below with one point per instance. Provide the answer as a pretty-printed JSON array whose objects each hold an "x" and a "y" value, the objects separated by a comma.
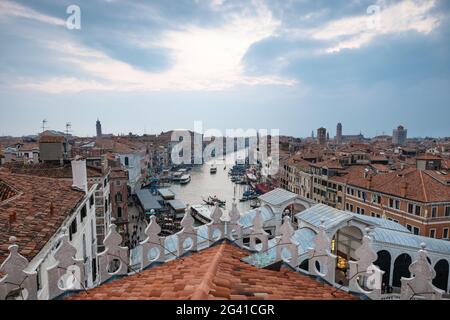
[{"x": 292, "y": 65}]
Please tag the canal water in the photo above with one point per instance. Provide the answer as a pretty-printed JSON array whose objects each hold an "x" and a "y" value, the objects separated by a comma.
[{"x": 205, "y": 184}]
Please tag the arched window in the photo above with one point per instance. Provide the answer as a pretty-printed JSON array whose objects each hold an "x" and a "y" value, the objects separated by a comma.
[
  {"x": 119, "y": 197},
  {"x": 384, "y": 263},
  {"x": 441, "y": 280},
  {"x": 401, "y": 269}
]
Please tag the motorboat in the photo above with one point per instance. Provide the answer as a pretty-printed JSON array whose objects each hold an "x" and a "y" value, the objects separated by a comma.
[{"x": 185, "y": 179}]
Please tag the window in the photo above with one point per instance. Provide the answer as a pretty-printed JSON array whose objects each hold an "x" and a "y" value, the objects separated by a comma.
[
  {"x": 363, "y": 212},
  {"x": 358, "y": 210},
  {"x": 376, "y": 198},
  {"x": 432, "y": 233},
  {"x": 118, "y": 183},
  {"x": 73, "y": 228},
  {"x": 445, "y": 233},
  {"x": 409, "y": 227},
  {"x": 395, "y": 204},
  {"x": 418, "y": 210},
  {"x": 447, "y": 211},
  {"x": 119, "y": 197},
  {"x": 83, "y": 213},
  {"x": 416, "y": 231},
  {"x": 410, "y": 208},
  {"x": 91, "y": 201},
  {"x": 119, "y": 212},
  {"x": 127, "y": 161},
  {"x": 434, "y": 212},
  {"x": 372, "y": 214}
]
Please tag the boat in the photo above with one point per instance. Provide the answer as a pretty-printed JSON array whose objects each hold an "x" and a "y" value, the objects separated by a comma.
[
  {"x": 212, "y": 201},
  {"x": 185, "y": 179},
  {"x": 213, "y": 169}
]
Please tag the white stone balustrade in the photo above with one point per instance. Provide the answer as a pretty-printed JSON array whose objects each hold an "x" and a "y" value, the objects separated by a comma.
[
  {"x": 68, "y": 272},
  {"x": 16, "y": 282},
  {"x": 420, "y": 285},
  {"x": 114, "y": 260},
  {"x": 322, "y": 262}
]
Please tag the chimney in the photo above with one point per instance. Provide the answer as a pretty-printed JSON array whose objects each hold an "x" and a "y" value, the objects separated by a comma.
[
  {"x": 369, "y": 181},
  {"x": 79, "y": 174},
  {"x": 403, "y": 188},
  {"x": 52, "y": 209},
  {"x": 12, "y": 219}
]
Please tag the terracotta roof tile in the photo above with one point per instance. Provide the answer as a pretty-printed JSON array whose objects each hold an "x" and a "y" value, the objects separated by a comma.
[
  {"x": 214, "y": 273},
  {"x": 29, "y": 198}
]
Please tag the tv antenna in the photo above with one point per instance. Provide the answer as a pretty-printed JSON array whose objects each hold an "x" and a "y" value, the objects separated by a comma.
[
  {"x": 44, "y": 122},
  {"x": 68, "y": 128}
]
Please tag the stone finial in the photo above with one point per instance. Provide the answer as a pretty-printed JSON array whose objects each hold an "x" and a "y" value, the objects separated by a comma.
[
  {"x": 153, "y": 244},
  {"x": 66, "y": 265},
  {"x": 421, "y": 282},
  {"x": 286, "y": 229},
  {"x": 234, "y": 213},
  {"x": 257, "y": 221},
  {"x": 16, "y": 276},
  {"x": 286, "y": 244},
  {"x": 114, "y": 257},
  {"x": 258, "y": 233},
  {"x": 321, "y": 254},
  {"x": 188, "y": 232},
  {"x": 153, "y": 229},
  {"x": 234, "y": 229},
  {"x": 216, "y": 214},
  {"x": 188, "y": 220},
  {"x": 364, "y": 271}
]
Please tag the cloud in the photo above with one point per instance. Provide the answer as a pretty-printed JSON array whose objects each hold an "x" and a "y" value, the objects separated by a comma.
[
  {"x": 357, "y": 31},
  {"x": 15, "y": 10},
  {"x": 354, "y": 32},
  {"x": 203, "y": 59}
]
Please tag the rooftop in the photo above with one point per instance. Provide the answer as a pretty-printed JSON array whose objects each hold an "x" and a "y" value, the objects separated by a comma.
[
  {"x": 214, "y": 273},
  {"x": 30, "y": 198},
  {"x": 278, "y": 197}
]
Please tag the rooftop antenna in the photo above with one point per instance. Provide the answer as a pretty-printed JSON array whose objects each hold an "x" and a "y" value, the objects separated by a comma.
[
  {"x": 44, "y": 122},
  {"x": 68, "y": 128}
]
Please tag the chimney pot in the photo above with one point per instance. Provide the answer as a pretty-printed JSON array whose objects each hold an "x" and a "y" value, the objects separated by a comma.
[{"x": 79, "y": 174}]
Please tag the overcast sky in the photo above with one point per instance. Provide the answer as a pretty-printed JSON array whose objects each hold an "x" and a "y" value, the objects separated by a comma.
[{"x": 293, "y": 65}]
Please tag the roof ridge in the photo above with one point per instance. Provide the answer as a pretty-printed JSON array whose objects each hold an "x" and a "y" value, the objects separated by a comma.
[
  {"x": 203, "y": 289},
  {"x": 423, "y": 186}
]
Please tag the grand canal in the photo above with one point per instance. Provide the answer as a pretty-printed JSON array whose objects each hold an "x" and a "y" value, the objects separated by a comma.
[{"x": 205, "y": 184}]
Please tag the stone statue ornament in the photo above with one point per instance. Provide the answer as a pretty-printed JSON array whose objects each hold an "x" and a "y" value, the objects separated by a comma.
[
  {"x": 421, "y": 282},
  {"x": 17, "y": 283}
]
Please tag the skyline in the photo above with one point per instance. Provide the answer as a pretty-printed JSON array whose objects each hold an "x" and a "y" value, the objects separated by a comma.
[{"x": 289, "y": 65}]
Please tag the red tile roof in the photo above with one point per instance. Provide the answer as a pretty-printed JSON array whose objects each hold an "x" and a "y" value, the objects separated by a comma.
[
  {"x": 51, "y": 170},
  {"x": 29, "y": 200},
  {"x": 420, "y": 185},
  {"x": 214, "y": 273}
]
